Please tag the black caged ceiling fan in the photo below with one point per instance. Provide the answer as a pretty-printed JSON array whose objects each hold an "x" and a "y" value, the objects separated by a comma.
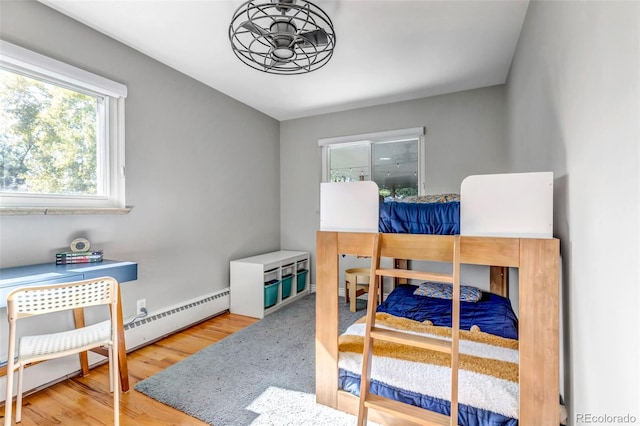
[{"x": 282, "y": 36}]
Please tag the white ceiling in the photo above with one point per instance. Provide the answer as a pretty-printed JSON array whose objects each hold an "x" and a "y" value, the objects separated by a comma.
[{"x": 386, "y": 50}]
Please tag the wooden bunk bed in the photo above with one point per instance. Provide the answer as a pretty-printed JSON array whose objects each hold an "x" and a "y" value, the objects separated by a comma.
[{"x": 537, "y": 261}]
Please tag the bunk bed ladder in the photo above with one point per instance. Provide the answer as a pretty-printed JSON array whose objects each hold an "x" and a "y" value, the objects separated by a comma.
[{"x": 402, "y": 411}]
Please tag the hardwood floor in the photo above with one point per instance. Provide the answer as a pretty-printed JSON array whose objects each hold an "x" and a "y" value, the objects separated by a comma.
[{"x": 87, "y": 401}]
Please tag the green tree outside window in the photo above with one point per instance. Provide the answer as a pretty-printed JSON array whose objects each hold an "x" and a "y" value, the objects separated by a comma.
[{"x": 48, "y": 138}]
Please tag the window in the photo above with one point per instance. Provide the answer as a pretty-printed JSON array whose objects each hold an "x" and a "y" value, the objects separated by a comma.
[
  {"x": 393, "y": 160},
  {"x": 61, "y": 134}
]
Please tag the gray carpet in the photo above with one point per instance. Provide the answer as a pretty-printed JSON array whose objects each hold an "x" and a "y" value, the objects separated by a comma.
[{"x": 218, "y": 383}]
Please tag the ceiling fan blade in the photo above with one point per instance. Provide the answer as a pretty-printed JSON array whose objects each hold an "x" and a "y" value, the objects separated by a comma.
[
  {"x": 275, "y": 64},
  {"x": 250, "y": 26},
  {"x": 314, "y": 38}
]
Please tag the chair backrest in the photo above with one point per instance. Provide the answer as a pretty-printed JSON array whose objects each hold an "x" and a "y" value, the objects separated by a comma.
[{"x": 39, "y": 300}]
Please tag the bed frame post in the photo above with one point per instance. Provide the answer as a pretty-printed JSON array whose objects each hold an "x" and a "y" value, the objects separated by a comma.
[
  {"x": 400, "y": 264},
  {"x": 499, "y": 280},
  {"x": 327, "y": 321},
  {"x": 538, "y": 331}
]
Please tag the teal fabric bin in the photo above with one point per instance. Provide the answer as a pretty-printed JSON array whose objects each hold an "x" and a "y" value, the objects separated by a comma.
[
  {"x": 302, "y": 280},
  {"x": 286, "y": 286},
  {"x": 270, "y": 293}
]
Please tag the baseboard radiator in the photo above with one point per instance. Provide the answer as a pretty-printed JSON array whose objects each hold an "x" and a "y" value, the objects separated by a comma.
[{"x": 174, "y": 318}]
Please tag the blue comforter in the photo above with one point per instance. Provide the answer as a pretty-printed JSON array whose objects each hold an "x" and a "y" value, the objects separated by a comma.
[
  {"x": 493, "y": 314},
  {"x": 420, "y": 218}
]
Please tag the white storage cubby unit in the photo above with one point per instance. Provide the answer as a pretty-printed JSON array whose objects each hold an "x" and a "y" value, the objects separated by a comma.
[{"x": 250, "y": 276}]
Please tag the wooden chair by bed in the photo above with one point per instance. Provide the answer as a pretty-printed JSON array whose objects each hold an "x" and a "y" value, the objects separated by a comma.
[{"x": 537, "y": 261}]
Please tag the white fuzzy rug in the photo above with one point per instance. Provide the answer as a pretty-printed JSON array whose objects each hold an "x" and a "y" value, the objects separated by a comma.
[{"x": 283, "y": 407}]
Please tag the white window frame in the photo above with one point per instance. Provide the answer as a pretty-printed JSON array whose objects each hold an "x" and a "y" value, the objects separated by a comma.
[
  {"x": 17, "y": 59},
  {"x": 378, "y": 137}
]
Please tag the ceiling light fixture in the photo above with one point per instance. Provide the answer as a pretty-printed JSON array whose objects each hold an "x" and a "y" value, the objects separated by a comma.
[{"x": 282, "y": 36}]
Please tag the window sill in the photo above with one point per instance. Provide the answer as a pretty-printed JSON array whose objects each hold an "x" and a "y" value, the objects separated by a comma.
[{"x": 33, "y": 211}]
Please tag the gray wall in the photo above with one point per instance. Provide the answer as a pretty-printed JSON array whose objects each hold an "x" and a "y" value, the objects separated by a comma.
[
  {"x": 465, "y": 135},
  {"x": 570, "y": 106},
  {"x": 202, "y": 171},
  {"x": 573, "y": 97}
]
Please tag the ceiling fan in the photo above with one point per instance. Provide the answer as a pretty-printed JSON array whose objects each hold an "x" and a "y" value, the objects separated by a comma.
[{"x": 282, "y": 36}]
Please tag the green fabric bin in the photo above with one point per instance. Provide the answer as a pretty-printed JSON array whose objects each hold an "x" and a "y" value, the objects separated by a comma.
[
  {"x": 270, "y": 293},
  {"x": 302, "y": 280},
  {"x": 286, "y": 286}
]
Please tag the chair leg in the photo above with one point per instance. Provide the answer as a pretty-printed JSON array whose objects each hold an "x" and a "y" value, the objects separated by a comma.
[
  {"x": 19, "y": 394},
  {"x": 346, "y": 291},
  {"x": 115, "y": 374},
  {"x": 353, "y": 290},
  {"x": 111, "y": 382},
  {"x": 9, "y": 396}
]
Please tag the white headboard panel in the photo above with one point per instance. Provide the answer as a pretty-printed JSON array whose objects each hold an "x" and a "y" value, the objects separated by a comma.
[
  {"x": 349, "y": 206},
  {"x": 507, "y": 205}
]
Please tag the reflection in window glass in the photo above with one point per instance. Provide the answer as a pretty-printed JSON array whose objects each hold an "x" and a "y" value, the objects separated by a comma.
[
  {"x": 349, "y": 163},
  {"x": 395, "y": 166},
  {"x": 392, "y": 165}
]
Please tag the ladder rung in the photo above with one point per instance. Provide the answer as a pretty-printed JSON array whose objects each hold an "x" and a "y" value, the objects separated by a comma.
[
  {"x": 407, "y": 412},
  {"x": 416, "y": 275},
  {"x": 423, "y": 342}
]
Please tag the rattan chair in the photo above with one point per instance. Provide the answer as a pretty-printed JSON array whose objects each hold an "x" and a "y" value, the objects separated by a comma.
[{"x": 28, "y": 302}]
